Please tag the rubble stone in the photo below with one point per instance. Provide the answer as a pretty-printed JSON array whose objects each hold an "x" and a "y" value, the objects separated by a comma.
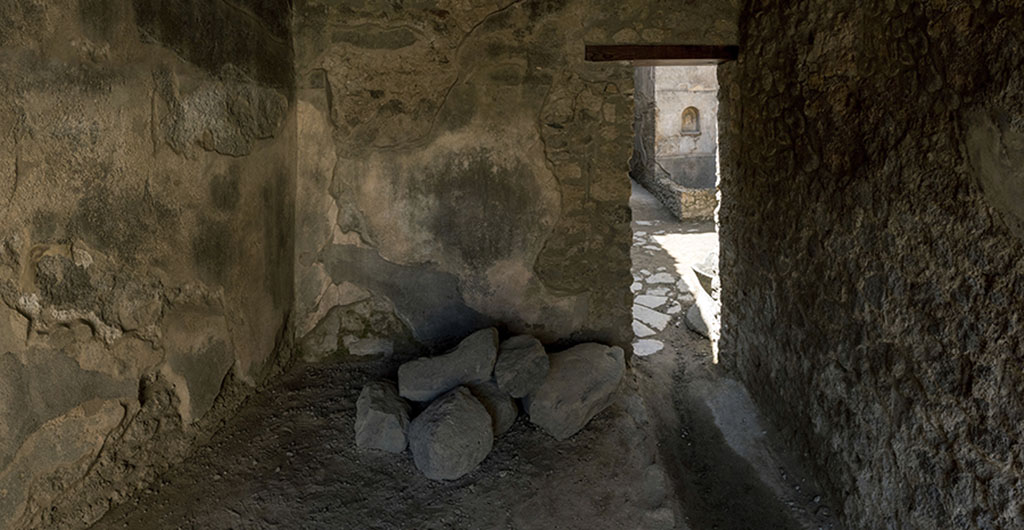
[
  {"x": 580, "y": 384},
  {"x": 522, "y": 365},
  {"x": 470, "y": 362},
  {"x": 499, "y": 405},
  {"x": 452, "y": 436},
  {"x": 382, "y": 418}
]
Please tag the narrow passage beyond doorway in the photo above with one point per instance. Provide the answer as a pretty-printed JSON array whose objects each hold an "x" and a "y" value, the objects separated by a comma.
[{"x": 730, "y": 470}]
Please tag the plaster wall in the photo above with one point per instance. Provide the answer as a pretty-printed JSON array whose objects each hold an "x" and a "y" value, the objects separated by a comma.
[
  {"x": 146, "y": 194},
  {"x": 872, "y": 259},
  {"x": 689, "y": 159},
  {"x": 461, "y": 166},
  {"x": 679, "y": 87}
]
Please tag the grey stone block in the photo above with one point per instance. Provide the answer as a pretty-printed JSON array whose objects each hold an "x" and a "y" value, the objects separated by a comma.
[
  {"x": 382, "y": 418},
  {"x": 499, "y": 405},
  {"x": 470, "y": 362},
  {"x": 452, "y": 436},
  {"x": 581, "y": 383},
  {"x": 522, "y": 365}
]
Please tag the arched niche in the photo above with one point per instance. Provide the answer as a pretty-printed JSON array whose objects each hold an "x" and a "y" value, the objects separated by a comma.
[{"x": 690, "y": 121}]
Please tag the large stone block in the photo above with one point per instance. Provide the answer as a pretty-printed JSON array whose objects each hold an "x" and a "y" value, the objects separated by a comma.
[
  {"x": 695, "y": 321},
  {"x": 581, "y": 383},
  {"x": 470, "y": 362},
  {"x": 499, "y": 405},
  {"x": 452, "y": 436},
  {"x": 382, "y": 418},
  {"x": 522, "y": 365}
]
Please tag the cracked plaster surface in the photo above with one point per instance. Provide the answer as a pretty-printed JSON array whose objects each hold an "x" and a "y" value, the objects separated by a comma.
[{"x": 529, "y": 232}]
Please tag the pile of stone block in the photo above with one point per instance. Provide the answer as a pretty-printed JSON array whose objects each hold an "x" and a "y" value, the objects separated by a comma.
[{"x": 474, "y": 393}]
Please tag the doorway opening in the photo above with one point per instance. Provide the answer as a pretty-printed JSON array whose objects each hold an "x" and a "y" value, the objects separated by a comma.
[{"x": 674, "y": 176}]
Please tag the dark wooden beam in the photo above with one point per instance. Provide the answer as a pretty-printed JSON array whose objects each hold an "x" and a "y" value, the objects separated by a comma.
[{"x": 661, "y": 54}]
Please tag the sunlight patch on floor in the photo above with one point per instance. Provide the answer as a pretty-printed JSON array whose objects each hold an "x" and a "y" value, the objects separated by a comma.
[{"x": 687, "y": 250}]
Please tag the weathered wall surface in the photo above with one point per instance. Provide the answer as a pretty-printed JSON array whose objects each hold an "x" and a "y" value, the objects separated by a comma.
[
  {"x": 146, "y": 189},
  {"x": 460, "y": 165},
  {"x": 873, "y": 262}
]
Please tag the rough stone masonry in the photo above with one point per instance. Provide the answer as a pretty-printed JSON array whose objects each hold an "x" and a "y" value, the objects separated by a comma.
[{"x": 872, "y": 262}]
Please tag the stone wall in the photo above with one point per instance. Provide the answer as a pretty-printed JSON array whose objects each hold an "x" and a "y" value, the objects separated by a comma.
[
  {"x": 461, "y": 166},
  {"x": 872, "y": 256},
  {"x": 146, "y": 194}
]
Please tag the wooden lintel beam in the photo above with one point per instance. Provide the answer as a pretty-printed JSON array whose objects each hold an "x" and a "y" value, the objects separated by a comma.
[{"x": 661, "y": 54}]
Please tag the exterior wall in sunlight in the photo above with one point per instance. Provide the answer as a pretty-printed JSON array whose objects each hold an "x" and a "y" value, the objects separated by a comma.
[{"x": 676, "y": 137}]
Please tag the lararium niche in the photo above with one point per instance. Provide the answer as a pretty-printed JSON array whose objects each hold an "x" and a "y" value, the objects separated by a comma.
[{"x": 690, "y": 122}]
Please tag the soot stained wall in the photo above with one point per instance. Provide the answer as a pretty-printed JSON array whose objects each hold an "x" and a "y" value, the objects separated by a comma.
[
  {"x": 146, "y": 195},
  {"x": 872, "y": 256},
  {"x": 464, "y": 149}
]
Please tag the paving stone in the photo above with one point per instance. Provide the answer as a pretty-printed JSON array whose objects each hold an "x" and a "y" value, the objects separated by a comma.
[
  {"x": 661, "y": 277},
  {"x": 647, "y": 347},
  {"x": 650, "y": 301},
  {"x": 652, "y": 318},
  {"x": 641, "y": 330}
]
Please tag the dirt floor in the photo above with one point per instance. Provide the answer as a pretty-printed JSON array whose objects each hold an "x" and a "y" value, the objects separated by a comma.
[
  {"x": 682, "y": 447},
  {"x": 289, "y": 461}
]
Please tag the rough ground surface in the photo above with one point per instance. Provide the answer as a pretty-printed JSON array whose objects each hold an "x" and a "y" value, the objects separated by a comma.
[
  {"x": 289, "y": 461},
  {"x": 725, "y": 462}
]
